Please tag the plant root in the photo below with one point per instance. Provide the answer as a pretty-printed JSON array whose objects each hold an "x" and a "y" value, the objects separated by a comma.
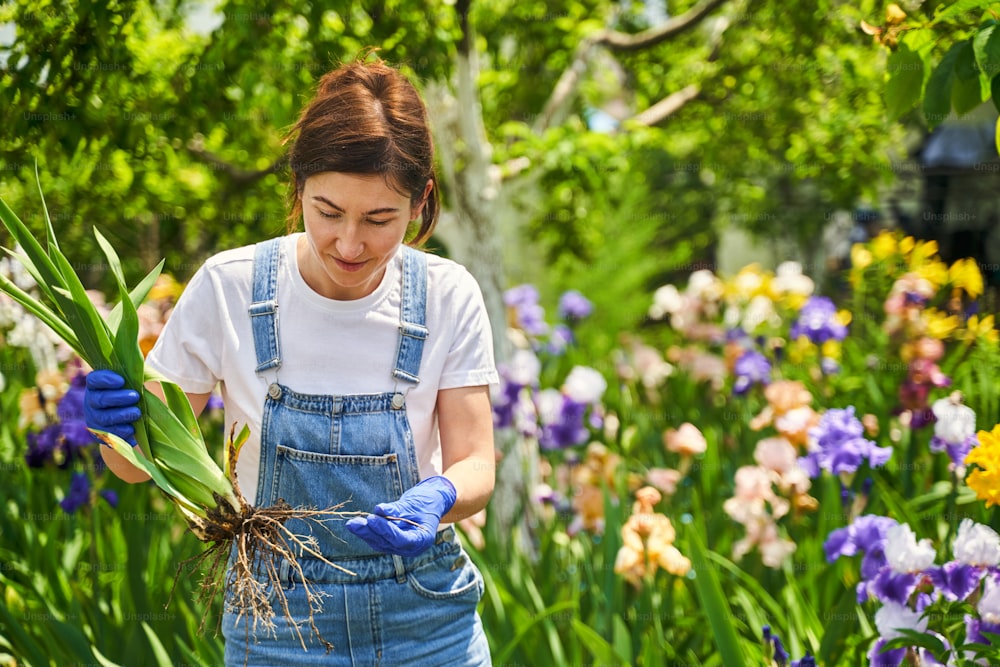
[
  {"x": 244, "y": 558},
  {"x": 243, "y": 564}
]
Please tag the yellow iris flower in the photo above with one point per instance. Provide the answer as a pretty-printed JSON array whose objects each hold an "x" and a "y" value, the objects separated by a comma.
[
  {"x": 985, "y": 480},
  {"x": 884, "y": 246},
  {"x": 938, "y": 324},
  {"x": 964, "y": 274},
  {"x": 976, "y": 328}
]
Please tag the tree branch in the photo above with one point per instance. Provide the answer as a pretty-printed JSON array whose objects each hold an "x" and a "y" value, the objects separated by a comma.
[
  {"x": 623, "y": 41},
  {"x": 666, "y": 107},
  {"x": 562, "y": 93},
  {"x": 237, "y": 174}
]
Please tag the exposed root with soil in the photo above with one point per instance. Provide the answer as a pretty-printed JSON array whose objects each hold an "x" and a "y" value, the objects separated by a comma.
[{"x": 244, "y": 559}]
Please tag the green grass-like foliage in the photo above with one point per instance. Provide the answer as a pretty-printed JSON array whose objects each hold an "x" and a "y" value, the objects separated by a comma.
[{"x": 176, "y": 457}]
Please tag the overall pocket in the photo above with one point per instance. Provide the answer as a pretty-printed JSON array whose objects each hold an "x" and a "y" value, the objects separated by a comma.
[
  {"x": 453, "y": 577},
  {"x": 323, "y": 481}
]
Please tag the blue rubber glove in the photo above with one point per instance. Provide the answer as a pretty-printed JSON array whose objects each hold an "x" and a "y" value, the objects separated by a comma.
[
  {"x": 109, "y": 407},
  {"x": 423, "y": 504}
]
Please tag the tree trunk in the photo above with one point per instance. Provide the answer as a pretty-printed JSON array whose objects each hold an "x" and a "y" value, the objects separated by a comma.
[{"x": 472, "y": 229}]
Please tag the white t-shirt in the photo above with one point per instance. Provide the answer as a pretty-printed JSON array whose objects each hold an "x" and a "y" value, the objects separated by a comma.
[{"x": 327, "y": 346}]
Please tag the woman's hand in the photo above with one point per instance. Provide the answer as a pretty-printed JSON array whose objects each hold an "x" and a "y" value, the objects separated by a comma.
[
  {"x": 109, "y": 406},
  {"x": 407, "y": 527}
]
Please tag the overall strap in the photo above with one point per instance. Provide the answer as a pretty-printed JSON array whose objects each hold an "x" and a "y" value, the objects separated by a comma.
[
  {"x": 264, "y": 309},
  {"x": 412, "y": 316}
]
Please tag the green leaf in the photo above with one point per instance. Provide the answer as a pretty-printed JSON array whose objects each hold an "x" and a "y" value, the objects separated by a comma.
[
  {"x": 961, "y": 7},
  {"x": 179, "y": 404},
  {"x": 914, "y": 638},
  {"x": 141, "y": 462},
  {"x": 159, "y": 653},
  {"x": 138, "y": 295},
  {"x": 986, "y": 45},
  {"x": 20, "y": 641},
  {"x": 899, "y": 507},
  {"x": 524, "y": 629},
  {"x": 74, "y": 303},
  {"x": 622, "y": 641},
  {"x": 841, "y": 624},
  {"x": 906, "y": 77},
  {"x": 102, "y": 660},
  {"x": 53, "y": 244},
  {"x": 179, "y": 447},
  {"x": 965, "y": 63},
  {"x": 187, "y": 464},
  {"x": 126, "y": 340},
  {"x": 598, "y": 647},
  {"x": 114, "y": 263},
  {"x": 72, "y": 638},
  {"x": 937, "y": 97},
  {"x": 714, "y": 605},
  {"x": 966, "y": 96}
]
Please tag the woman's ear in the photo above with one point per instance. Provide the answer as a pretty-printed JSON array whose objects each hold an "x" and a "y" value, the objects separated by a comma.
[{"x": 418, "y": 208}]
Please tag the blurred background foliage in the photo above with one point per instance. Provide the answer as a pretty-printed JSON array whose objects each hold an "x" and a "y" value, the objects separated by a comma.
[{"x": 162, "y": 122}]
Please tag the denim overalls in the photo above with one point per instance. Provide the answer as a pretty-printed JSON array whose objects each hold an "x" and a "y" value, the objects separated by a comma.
[{"x": 319, "y": 451}]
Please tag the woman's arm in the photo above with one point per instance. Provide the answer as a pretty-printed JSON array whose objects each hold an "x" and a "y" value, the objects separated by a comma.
[
  {"x": 465, "y": 422},
  {"x": 119, "y": 465}
]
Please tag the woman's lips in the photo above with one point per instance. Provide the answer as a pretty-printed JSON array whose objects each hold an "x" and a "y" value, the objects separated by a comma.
[{"x": 349, "y": 266}]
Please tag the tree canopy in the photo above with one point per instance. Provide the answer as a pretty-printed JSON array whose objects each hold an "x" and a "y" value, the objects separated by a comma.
[{"x": 168, "y": 133}]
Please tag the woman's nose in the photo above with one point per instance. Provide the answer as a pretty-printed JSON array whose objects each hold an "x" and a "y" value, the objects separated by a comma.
[{"x": 349, "y": 243}]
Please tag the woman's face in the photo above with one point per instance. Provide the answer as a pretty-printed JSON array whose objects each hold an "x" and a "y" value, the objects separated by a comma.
[{"x": 354, "y": 224}]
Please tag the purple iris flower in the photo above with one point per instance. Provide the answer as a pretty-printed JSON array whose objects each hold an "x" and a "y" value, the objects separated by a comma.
[
  {"x": 736, "y": 334},
  {"x": 561, "y": 338},
  {"x": 974, "y": 629},
  {"x": 874, "y": 561},
  {"x": 530, "y": 314},
  {"x": 807, "y": 661},
  {"x": 866, "y": 533},
  {"x": 42, "y": 446},
  {"x": 61, "y": 441},
  {"x": 750, "y": 368},
  {"x": 879, "y": 658},
  {"x": 817, "y": 321},
  {"x": 780, "y": 655},
  {"x": 568, "y": 429},
  {"x": 574, "y": 306},
  {"x": 955, "y": 580},
  {"x": 110, "y": 496},
  {"x": 71, "y": 404},
  {"x": 505, "y": 403},
  {"x": 956, "y": 452},
  {"x": 522, "y": 295},
  {"x": 840, "y": 445},
  {"x": 78, "y": 494},
  {"x": 214, "y": 402},
  {"x": 893, "y": 586}
]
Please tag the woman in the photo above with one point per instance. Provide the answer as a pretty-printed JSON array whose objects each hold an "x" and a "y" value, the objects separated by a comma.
[{"x": 371, "y": 387}]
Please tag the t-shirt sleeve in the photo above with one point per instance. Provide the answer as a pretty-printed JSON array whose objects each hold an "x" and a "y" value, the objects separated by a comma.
[
  {"x": 470, "y": 361},
  {"x": 188, "y": 352}
]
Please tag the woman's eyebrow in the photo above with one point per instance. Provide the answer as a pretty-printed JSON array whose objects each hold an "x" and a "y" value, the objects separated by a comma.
[{"x": 374, "y": 211}]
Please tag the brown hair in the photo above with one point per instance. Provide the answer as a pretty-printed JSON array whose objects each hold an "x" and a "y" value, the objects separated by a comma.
[{"x": 366, "y": 118}]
